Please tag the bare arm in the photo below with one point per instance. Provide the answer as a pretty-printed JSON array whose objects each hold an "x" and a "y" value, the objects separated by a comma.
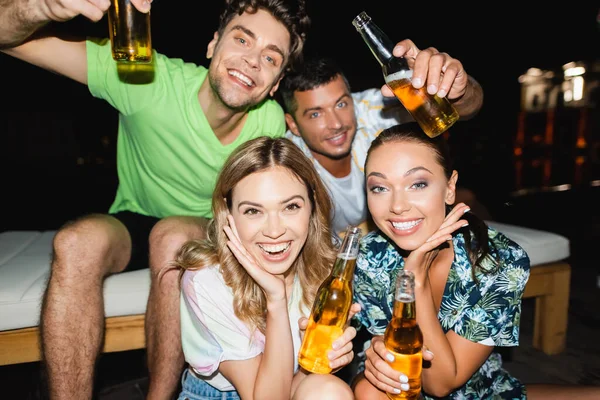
[
  {"x": 19, "y": 19},
  {"x": 456, "y": 358},
  {"x": 471, "y": 102},
  {"x": 268, "y": 375},
  {"x": 67, "y": 58}
]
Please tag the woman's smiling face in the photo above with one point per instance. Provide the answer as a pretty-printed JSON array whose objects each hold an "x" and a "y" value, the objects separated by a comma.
[
  {"x": 272, "y": 211},
  {"x": 407, "y": 192}
]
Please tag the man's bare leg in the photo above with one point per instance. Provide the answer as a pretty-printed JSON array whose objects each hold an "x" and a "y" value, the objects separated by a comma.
[
  {"x": 163, "y": 333},
  {"x": 72, "y": 320}
]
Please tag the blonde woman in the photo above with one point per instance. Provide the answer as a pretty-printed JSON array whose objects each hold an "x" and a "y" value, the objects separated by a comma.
[{"x": 248, "y": 288}]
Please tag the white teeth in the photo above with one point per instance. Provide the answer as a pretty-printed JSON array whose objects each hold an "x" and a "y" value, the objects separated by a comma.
[
  {"x": 405, "y": 225},
  {"x": 241, "y": 77},
  {"x": 275, "y": 248}
]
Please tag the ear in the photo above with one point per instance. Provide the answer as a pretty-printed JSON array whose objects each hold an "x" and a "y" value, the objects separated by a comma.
[
  {"x": 289, "y": 120},
  {"x": 451, "y": 189},
  {"x": 275, "y": 86},
  {"x": 210, "y": 50}
]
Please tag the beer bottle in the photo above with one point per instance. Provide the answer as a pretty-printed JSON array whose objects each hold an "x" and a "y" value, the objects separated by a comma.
[
  {"x": 403, "y": 337},
  {"x": 434, "y": 114},
  {"x": 330, "y": 310}
]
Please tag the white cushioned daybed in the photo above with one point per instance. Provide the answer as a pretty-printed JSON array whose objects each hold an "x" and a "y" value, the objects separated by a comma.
[{"x": 25, "y": 265}]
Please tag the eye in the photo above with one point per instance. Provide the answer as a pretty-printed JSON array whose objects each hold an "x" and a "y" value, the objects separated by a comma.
[
  {"x": 377, "y": 189},
  {"x": 342, "y": 104},
  {"x": 241, "y": 40},
  {"x": 251, "y": 211},
  {"x": 293, "y": 207},
  {"x": 314, "y": 115},
  {"x": 271, "y": 60},
  {"x": 419, "y": 185}
]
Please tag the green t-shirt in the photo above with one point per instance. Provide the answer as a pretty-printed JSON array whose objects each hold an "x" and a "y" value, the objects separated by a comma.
[{"x": 168, "y": 156}]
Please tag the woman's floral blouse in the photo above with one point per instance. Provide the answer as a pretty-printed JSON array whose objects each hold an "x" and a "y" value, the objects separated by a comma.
[{"x": 487, "y": 311}]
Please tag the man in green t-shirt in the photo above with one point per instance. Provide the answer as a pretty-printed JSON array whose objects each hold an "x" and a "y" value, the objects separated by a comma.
[{"x": 174, "y": 134}]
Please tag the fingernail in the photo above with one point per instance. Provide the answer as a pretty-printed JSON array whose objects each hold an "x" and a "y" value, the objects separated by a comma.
[
  {"x": 390, "y": 357},
  {"x": 467, "y": 210},
  {"x": 417, "y": 82},
  {"x": 405, "y": 387},
  {"x": 403, "y": 379},
  {"x": 467, "y": 224},
  {"x": 335, "y": 345},
  {"x": 441, "y": 93},
  {"x": 397, "y": 391},
  {"x": 429, "y": 352},
  {"x": 431, "y": 89}
]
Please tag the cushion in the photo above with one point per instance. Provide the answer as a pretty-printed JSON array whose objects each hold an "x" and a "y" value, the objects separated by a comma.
[
  {"x": 541, "y": 246},
  {"x": 25, "y": 263},
  {"x": 24, "y": 267}
]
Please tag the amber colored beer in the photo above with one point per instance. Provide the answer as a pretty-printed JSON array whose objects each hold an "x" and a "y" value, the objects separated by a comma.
[
  {"x": 327, "y": 320},
  {"x": 129, "y": 31},
  {"x": 404, "y": 338},
  {"x": 434, "y": 114}
]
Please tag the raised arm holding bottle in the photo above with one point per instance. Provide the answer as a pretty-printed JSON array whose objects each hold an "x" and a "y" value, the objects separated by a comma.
[{"x": 441, "y": 88}]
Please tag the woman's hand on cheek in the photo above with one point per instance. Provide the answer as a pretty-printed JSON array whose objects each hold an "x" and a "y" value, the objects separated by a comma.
[
  {"x": 273, "y": 286},
  {"x": 419, "y": 259}
]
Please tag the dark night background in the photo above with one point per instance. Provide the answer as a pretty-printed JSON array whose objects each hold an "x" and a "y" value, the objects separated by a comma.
[{"x": 58, "y": 142}]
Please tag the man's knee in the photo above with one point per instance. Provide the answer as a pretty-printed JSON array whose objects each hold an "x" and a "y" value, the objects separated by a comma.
[
  {"x": 79, "y": 247},
  {"x": 169, "y": 234}
]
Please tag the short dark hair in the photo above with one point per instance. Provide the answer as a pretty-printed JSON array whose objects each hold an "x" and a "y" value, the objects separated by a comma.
[
  {"x": 306, "y": 76},
  {"x": 291, "y": 13}
]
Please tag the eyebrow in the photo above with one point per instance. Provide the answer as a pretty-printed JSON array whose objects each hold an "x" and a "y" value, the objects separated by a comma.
[
  {"x": 409, "y": 172},
  {"x": 320, "y": 108},
  {"x": 248, "y": 32},
  {"x": 250, "y": 203}
]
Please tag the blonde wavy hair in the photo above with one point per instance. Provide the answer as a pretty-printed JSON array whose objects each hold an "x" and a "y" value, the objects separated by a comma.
[{"x": 317, "y": 256}]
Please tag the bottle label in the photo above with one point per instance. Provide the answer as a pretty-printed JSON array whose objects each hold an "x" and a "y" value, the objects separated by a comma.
[{"x": 396, "y": 76}]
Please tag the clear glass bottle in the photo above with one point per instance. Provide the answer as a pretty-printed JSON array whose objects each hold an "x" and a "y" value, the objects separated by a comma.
[
  {"x": 435, "y": 115},
  {"x": 330, "y": 310},
  {"x": 404, "y": 338}
]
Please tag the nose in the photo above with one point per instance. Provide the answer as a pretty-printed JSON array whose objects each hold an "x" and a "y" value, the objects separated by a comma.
[
  {"x": 334, "y": 121},
  {"x": 252, "y": 58},
  {"x": 400, "y": 204},
  {"x": 274, "y": 226}
]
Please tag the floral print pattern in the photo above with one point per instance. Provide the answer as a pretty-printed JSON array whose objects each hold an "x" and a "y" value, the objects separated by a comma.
[{"x": 485, "y": 310}]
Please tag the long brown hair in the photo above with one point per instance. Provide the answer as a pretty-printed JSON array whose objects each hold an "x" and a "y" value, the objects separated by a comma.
[
  {"x": 476, "y": 233},
  {"x": 317, "y": 256}
]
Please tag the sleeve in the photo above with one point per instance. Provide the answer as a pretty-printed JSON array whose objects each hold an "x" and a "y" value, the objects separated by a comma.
[
  {"x": 210, "y": 331},
  {"x": 377, "y": 112},
  {"x": 494, "y": 320},
  {"x": 127, "y": 88}
]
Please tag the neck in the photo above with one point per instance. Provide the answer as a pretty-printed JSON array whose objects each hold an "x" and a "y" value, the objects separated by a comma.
[
  {"x": 339, "y": 168},
  {"x": 225, "y": 122}
]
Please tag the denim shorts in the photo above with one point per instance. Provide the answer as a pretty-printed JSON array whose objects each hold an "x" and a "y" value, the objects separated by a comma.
[{"x": 194, "y": 388}]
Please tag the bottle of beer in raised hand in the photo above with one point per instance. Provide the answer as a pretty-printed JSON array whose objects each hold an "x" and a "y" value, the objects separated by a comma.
[
  {"x": 434, "y": 114},
  {"x": 403, "y": 337},
  {"x": 330, "y": 310}
]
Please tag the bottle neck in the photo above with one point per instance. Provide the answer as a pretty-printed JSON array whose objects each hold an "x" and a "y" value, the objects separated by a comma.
[
  {"x": 343, "y": 268},
  {"x": 405, "y": 311},
  {"x": 380, "y": 44}
]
